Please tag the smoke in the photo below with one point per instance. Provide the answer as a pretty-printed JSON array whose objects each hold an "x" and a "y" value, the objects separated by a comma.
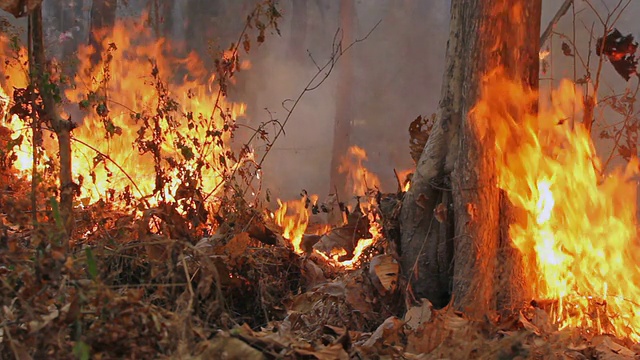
[{"x": 397, "y": 72}]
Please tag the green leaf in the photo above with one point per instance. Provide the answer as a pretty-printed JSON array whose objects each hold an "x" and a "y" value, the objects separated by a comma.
[
  {"x": 55, "y": 209},
  {"x": 82, "y": 350},
  {"x": 92, "y": 268}
]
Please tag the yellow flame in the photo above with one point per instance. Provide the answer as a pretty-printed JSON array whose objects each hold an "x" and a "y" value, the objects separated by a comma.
[
  {"x": 579, "y": 233},
  {"x": 359, "y": 180},
  {"x": 130, "y": 90},
  {"x": 293, "y": 218}
]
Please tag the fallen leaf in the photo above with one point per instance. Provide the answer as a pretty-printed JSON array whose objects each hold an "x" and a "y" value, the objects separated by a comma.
[
  {"x": 417, "y": 315},
  {"x": 331, "y": 352},
  {"x": 384, "y": 271},
  {"x": 229, "y": 348}
]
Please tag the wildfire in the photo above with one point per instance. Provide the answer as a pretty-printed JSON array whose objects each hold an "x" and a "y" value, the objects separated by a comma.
[
  {"x": 578, "y": 237},
  {"x": 359, "y": 179},
  {"x": 293, "y": 216},
  {"x": 129, "y": 90}
]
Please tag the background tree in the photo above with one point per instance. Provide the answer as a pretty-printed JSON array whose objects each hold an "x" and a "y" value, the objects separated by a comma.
[
  {"x": 457, "y": 252},
  {"x": 103, "y": 17},
  {"x": 344, "y": 101}
]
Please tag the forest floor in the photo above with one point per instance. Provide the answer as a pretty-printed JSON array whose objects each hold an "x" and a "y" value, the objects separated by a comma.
[{"x": 123, "y": 292}]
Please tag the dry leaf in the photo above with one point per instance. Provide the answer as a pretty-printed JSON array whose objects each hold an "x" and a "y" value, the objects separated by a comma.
[
  {"x": 419, "y": 131},
  {"x": 229, "y": 348},
  {"x": 331, "y": 352},
  {"x": 386, "y": 334},
  {"x": 384, "y": 270},
  {"x": 418, "y": 315},
  {"x": 440, "y": 213}
]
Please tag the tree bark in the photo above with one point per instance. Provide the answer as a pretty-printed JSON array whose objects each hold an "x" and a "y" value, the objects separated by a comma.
[
  {"x": 61, "y": 127},
  {"x": 457, "y": 173},
  {"x": 103, "y": 17},
  {"x": 344, "y": 103}
]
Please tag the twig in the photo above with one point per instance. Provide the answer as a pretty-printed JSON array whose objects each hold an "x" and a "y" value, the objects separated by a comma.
[
  {"x": 114, "y": 163},
  {"x": 316, "y": 80}
]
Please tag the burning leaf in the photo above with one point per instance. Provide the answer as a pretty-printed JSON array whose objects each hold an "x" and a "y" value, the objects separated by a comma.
[
  {"x": 566, "y": 49},
  {"x": 620, "y": 50},
  {"x": 419, "y": 131}
]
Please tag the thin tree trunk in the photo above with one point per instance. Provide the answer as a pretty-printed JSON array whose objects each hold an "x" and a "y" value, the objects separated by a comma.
[
  {"x": 484, "y": 35},
  {"x": 344, "y": 103},
  {"x": 61, "y": 127},
  {"x": 103, "y": 17}
]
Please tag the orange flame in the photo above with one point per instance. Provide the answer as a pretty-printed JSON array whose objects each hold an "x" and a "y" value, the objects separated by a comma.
[
  {"x": 359, "y": 180},
  {"x": 130, "y": 90},
  {"x": 579, "y": 233},
  {"x": 293, "y": 217}
]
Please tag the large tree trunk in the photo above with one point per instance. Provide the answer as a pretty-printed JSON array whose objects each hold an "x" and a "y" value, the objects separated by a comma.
[
  {"x": 298, "y": 30},
  {"x": 456, "y": 173},
  {"x": 344, "y": 103}
]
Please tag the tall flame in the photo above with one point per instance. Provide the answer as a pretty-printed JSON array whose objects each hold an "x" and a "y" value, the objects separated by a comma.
[
  {"x": 129, "y": 89},
  {"x": 359, "y": 179},
  {"x": 578, "y": 234}
]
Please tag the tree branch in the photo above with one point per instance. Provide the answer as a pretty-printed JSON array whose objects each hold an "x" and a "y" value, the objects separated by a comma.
[{"x": 561, "y": 12}]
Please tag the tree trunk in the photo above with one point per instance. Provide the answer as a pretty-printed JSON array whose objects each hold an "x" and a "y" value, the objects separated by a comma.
[
  {"x": 456, "y": 173},
  {"x": 298, "y": 30},
  {"x": 103, "y": 17},
  {"x": 61, "y": 127},
  {"x": 344, "y": 103}
]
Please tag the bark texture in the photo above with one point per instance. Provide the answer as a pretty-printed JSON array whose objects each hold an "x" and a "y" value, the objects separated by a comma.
[
  {"x": 61, "y": 127},
  {"x": 469, "y": 256}
]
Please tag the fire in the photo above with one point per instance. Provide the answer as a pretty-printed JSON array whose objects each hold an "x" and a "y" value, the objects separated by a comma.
[
  {"x": 578, "y": 236},
  {"x": 293, "y": 218},
  {"x": 15, "y": 74},
  {"x": 130, "y": 88},
  {"x": 359, "y": 180},
  {"x": 130, "y": 93}
]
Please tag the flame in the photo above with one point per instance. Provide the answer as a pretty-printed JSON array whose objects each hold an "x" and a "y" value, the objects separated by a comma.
[
  {"x": 293, "y": 218},
  {"x": 15, "y": 75},
  {"x": 359, "y": 180},
  {"x": 543, "y": 54},
  {"x": 130, "y": 87},
  {"x": 404, "y": 177},
  {"x": 578, "y": 234},
  {"x": 130, "y": 90}
]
